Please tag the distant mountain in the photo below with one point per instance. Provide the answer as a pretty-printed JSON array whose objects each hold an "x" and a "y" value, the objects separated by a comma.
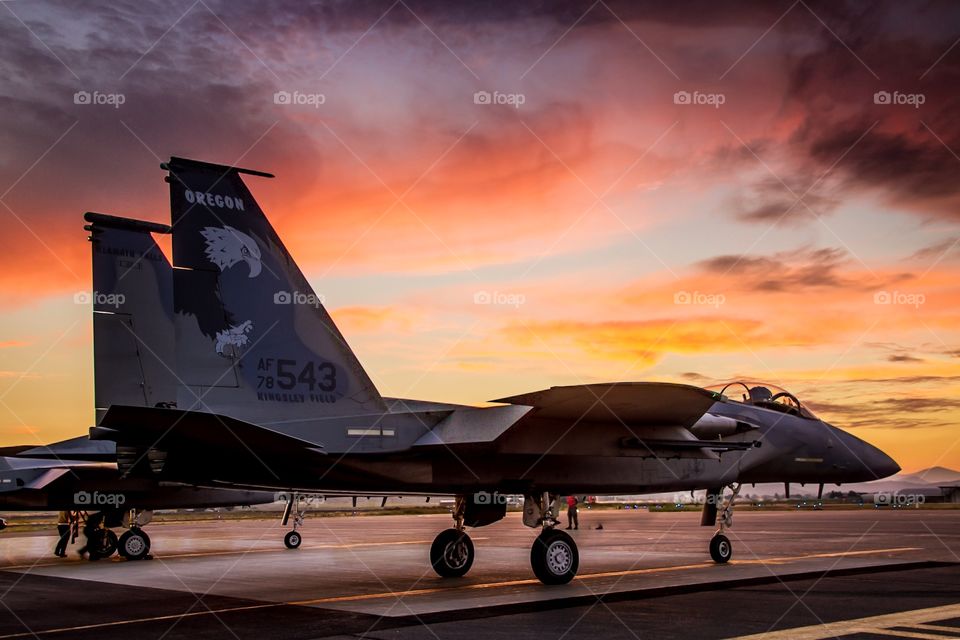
[{"x": 933, "y": 475}]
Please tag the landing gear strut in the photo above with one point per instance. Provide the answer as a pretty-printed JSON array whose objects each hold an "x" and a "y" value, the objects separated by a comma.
[
  {"x": 452, "y": 553},
  {"x": 296, "y": 505},
  {"x": 554, "y": 556},
  {"x": 720, "y": 548}
]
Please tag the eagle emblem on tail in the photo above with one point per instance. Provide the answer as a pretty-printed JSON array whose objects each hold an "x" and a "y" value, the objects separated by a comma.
[{"x": 226, "y": 247}]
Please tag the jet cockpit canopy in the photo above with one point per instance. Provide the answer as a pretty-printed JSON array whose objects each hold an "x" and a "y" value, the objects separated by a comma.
[{"x": 762, "y": 394}]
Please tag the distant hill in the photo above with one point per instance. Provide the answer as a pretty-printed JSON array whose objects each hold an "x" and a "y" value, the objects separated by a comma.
[{"x": 933, "y": 475}]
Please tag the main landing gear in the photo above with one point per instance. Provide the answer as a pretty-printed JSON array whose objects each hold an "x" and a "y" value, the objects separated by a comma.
[
  {"x": 297, "y": 505},
  {"x": 554, "y": 556},
  {"x": 720, "y": 548},
  {"x": 133, "y": 544},
  {"x": 452, "y": 553}
]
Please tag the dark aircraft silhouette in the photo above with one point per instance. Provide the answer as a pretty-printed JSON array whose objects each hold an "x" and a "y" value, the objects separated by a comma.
[{"x": 270, "y": 396}]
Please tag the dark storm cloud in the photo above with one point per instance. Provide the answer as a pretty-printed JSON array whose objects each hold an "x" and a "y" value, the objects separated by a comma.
[
  {"x": 903, "y": 357},
  {"x": 789, "y": 271},
  {"x": 907, "y": 155}
]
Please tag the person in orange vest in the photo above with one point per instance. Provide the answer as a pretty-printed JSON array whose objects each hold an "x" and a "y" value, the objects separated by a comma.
[
  {"x": 63, "y": 533},
  {"x": 572, "y": 520}
]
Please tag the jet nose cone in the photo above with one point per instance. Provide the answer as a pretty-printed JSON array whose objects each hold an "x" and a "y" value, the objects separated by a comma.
[
  {"x": 864, "y": 462},
  {"x": 888, "y": 466},
  {"x": 880, "y": 464}
]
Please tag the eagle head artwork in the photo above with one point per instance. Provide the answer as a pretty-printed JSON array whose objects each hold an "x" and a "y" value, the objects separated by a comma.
[{"x": 226, "y": 247}]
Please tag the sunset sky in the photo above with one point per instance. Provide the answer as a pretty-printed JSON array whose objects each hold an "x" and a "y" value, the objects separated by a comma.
[{"x": 810, "y": 223}]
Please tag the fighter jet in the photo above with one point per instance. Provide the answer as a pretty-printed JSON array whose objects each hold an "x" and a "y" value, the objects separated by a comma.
[{"x": 272, "y": 396}]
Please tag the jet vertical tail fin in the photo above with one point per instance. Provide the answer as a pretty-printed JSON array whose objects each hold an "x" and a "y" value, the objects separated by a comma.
[
  {"x": 132, "y": 314},
  {"x": 253, "y": 339}
]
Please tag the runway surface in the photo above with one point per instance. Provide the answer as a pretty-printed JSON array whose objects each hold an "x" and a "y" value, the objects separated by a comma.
[{"x": 644, "y": 575}]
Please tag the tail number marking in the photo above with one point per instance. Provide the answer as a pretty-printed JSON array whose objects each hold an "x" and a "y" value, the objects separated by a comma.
[{"x": 289, "y": 375}]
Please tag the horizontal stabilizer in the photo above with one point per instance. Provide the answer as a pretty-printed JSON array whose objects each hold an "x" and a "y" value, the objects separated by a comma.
[
  {"x": 630, "y": 403},
  {"x": 160, "y": 428}
]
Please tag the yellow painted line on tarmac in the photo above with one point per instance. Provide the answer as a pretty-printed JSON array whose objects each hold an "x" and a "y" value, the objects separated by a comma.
[
  {"x": 880, "y": 625},
  {"x": 509, "y": 583}
]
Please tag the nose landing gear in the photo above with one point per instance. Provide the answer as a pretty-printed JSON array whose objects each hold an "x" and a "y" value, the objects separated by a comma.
[
  {"x": 299, "y": 503},
  {"x": 452, "y": 553},
  {"x": 720, "y": 548}
]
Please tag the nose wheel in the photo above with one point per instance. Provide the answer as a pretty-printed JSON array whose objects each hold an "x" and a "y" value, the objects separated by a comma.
[
  {"x": 451, "y": 554},
  {"x": 292, "y": 540},
  {"x": 720, "y": 549}
]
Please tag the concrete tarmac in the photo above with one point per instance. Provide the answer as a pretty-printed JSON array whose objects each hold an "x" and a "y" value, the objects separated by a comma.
[{"x": 643, "y": 575}]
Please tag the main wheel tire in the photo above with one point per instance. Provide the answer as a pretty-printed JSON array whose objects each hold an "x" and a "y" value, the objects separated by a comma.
[
  {"x": 134, "y": 544},
  {"x": 451, "y": 554},
  {"x": 720, "y": 549},
  {"x": 554, "y": 557},
  {"x": 292, "y": 540},
  {"x": 103, "y": 544}
]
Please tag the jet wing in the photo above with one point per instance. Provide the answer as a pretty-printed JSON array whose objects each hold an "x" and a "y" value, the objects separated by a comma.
[{"x": 632, "y": 403}]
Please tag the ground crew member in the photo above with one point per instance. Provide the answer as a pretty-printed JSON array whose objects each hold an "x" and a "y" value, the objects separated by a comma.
[
  {"x": 63, "y": 534},
  {"x": 572, "y": 520}
]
